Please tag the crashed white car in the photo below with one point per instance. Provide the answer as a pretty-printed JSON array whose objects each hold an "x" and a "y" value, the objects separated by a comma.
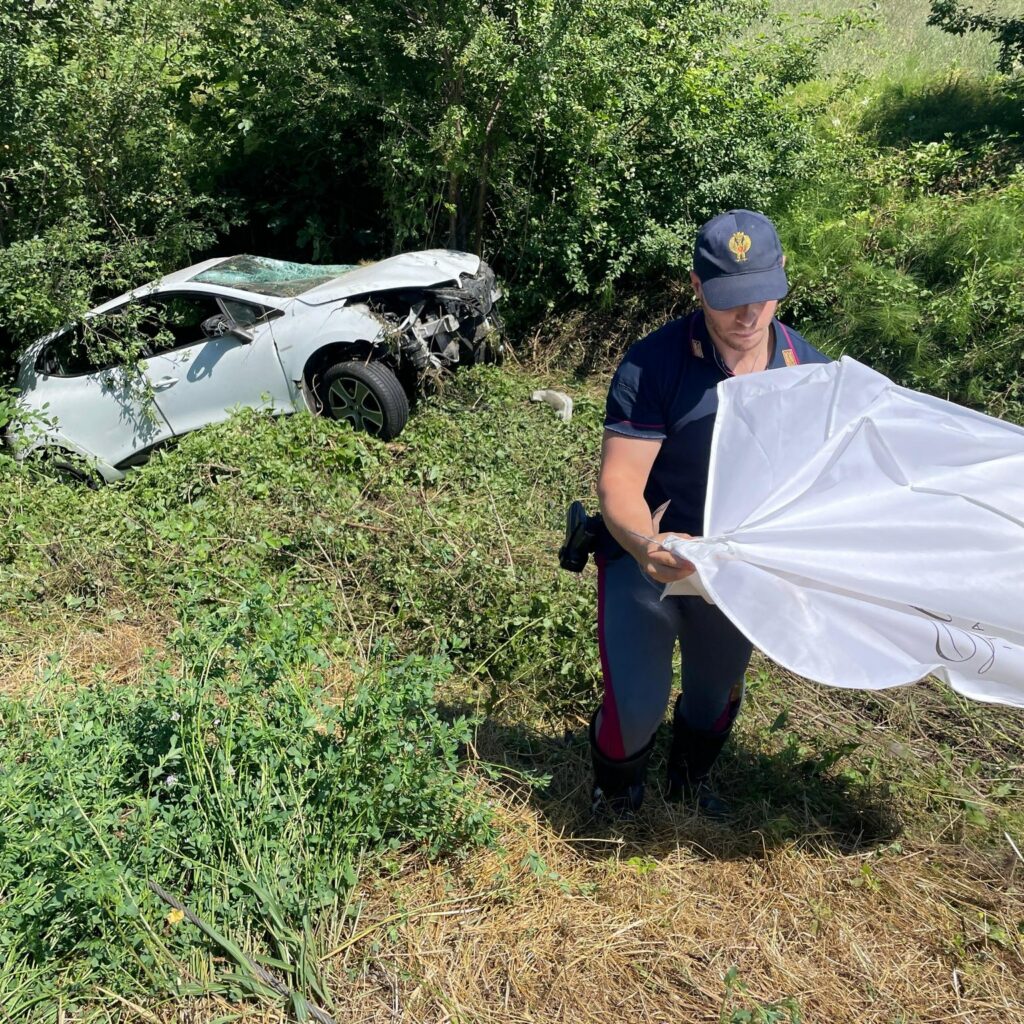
[{"x": 350, "y": 342}]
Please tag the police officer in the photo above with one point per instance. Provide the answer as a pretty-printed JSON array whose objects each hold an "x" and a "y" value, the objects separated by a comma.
[{"x": 653, "y": 480}]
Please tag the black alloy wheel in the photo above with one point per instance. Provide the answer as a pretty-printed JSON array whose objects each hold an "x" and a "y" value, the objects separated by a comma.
[{"x": 368, "y": 395}]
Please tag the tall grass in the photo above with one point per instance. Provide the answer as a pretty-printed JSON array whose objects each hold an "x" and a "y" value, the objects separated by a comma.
[
  {"x": 902, "y": 224},
  {"x": 901, "y": 43},
  {"x": 277, "y": 740}
]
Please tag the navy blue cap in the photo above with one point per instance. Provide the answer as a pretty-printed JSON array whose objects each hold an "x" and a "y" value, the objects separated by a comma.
[{"x": 738, "y": 258}]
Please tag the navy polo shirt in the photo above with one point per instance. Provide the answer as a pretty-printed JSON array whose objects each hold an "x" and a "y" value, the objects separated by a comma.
[{"x": 665, "y": 390}]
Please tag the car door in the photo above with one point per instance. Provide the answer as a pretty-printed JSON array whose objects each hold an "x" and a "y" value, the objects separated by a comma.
[
  {"x": 101, "y": 410},
  {"x": 198, "y": 375}
]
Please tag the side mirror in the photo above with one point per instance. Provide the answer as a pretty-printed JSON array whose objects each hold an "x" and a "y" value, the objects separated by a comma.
[
  {"x": 243, "y": 334},
  {"x": 219, "y": 324}
]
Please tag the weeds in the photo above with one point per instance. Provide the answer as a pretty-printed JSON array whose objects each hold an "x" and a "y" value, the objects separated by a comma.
[
  {"x": 252, "y": 798},
  {"x": 786, "y": 1012},
  {"x": 313, "y": 599},
  {"x": 227, "y": 775}
]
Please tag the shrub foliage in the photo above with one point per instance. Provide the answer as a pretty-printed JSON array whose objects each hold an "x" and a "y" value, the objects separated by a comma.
[
  {"x": 904, "y": 245},
  {"x": 572, "y": 143}
]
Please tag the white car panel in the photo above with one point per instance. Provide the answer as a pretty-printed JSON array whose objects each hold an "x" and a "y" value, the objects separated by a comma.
[
  {"x": 299, "y": 336},
  {"x": 106, "y": 415},
  {"x": 202, "y": 383}
]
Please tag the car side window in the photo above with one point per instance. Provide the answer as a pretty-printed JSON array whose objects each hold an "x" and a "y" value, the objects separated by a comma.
[
  {"x": 245, "y": 314},
  {"x": 67, "y": 355},
  {"x": 177, "y": 320}
]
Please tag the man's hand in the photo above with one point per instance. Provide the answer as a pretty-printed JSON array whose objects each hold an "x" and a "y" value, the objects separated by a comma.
[{"x": 662, "y": 565}]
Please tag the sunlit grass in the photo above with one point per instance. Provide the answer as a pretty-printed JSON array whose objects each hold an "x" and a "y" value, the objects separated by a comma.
[{"x": 901, "y": 42}]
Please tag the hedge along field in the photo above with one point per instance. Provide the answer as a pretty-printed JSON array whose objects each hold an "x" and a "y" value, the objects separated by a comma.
[
  {"x": 331, "y": 695},
  {"x": 576, "y": 144}
]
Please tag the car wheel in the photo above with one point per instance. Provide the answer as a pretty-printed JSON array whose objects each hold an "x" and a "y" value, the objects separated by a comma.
[
  {"x": 368, "y": 395},
  {"x": 74, "y": 471}
]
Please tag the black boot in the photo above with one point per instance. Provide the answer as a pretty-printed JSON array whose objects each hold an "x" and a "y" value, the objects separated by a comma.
[
  {"x": 618, "y": 784},
  {"x": 692, "y": 754}
]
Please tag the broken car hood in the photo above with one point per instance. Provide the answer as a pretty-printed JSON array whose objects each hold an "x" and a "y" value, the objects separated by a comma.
[{"x": 426, "y": 269}]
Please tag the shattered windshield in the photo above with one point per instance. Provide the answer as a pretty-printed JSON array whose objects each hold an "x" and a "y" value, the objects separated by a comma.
[{"x": 271, "y": 277}]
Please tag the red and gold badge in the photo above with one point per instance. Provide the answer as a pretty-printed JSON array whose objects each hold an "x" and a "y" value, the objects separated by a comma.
[{"x": 739, "y": 246}]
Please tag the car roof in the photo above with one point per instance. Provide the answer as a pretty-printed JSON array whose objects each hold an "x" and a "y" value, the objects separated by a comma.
[{"x": 178, "y": 277}]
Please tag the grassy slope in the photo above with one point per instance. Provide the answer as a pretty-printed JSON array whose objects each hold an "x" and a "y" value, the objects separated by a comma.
[
  {"x": 900, "y": 42},
  {"x": 867, "y": 876}
]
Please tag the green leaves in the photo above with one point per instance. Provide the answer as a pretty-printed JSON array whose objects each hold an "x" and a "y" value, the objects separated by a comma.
[
  {"x": 1008, "y": 33},
  {"x": 787, "y": 1011},
  {"x": 100, "y": 182},
  {"x": 904, "y": 250},
  {"x": 249, "y": 798},
  {"x": 222, "y": 769},
  {"x": 577, "y": 145}
]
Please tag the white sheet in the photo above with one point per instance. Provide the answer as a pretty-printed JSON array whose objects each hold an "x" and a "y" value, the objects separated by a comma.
[{"x": 865, "y": 535}]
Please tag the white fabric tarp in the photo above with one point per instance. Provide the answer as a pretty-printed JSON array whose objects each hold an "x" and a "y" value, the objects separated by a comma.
[{"x": 864, "y": 535}]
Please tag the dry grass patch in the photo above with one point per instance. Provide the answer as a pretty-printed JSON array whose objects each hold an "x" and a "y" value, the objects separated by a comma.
[
  {"x": 84, "y": 648},
  {"x": 593, "y": 929}
]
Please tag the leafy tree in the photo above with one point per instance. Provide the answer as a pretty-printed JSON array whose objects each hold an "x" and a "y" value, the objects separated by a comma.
[
  {"x": 958, "y": 19},
  {"x": 97, "y": 180},
  {"x": 571, "y": 143}
]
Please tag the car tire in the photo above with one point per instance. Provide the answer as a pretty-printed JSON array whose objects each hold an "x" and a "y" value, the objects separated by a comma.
[
  {"x": 368, "y": 395},
  {"x": 73, "y": 471}
]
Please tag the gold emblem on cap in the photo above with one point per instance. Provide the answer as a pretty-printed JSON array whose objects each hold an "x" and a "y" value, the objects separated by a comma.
[{"x": 739, "y": 246}]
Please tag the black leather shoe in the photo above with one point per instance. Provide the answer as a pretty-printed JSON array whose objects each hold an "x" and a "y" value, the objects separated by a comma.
[
  {"x": 690, "y": 758},
  {"x": 706, "y": 802}
]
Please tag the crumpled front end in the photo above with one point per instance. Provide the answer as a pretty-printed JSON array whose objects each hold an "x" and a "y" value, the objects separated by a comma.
[{"x": 435, "y": 328}]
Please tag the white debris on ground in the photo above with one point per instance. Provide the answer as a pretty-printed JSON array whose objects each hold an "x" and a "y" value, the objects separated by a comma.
[{"x": 558, "y": 400}]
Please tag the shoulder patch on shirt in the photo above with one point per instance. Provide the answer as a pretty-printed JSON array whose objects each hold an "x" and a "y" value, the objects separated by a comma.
[
  {"x": 789, "y": 357},
  {"x": 696, "y": 348}
]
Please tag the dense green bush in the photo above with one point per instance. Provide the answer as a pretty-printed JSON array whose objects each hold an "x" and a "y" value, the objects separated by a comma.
[
  {"x": 904, "y": 241},
  {"x": 233, "y": 793},
  {"x": 575, "y": 145},
  {"x": 100, "y": 181},
  {"x": 577, "y": 142}
]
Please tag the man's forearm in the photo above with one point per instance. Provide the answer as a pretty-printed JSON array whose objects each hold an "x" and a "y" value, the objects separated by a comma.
[{"x": 627, "y": 515}]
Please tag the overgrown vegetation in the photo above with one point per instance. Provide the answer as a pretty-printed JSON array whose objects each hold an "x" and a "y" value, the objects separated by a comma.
[
  {"x": 101, "y": 184},
  {"x": 905, "y": 239},
  {"x": 310, "y": 599},
  {"x": 574, "y": 144},
  {"x": 241, "y": 771},
  {"x": 250, "y": 798},
  {"x": 313, "y": 686}
]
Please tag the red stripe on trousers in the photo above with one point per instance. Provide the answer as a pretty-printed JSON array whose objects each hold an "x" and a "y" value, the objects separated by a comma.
[{"x": 609, "y": 733}]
